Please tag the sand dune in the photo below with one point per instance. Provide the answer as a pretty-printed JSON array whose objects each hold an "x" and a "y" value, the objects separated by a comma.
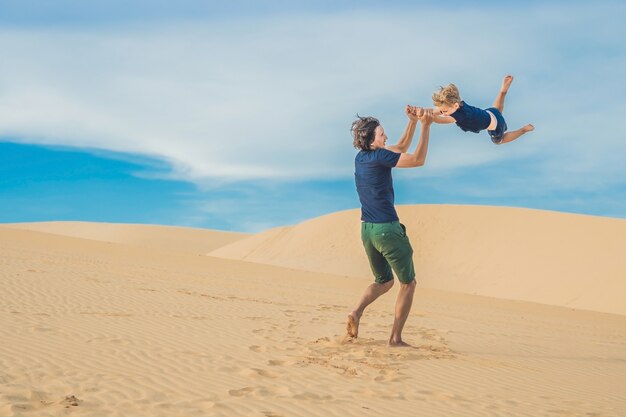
[
  {"x": 548, "y": 257},
  {"x": 182, "y": 239},
  {"x": 92, "y": 328}
]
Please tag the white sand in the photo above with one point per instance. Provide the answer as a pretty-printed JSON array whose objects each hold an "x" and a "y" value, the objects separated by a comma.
[{"x": 124, "y": 329}]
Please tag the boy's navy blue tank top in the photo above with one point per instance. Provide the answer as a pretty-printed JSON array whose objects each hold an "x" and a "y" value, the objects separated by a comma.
[
  {"x": 372, "y": 174},
  {"x": 471, "y": 119}
]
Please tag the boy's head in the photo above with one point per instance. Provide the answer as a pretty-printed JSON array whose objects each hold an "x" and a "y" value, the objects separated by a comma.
[
  {"x": 364, "y": 132},
  {"x": 447, "y": 99}
]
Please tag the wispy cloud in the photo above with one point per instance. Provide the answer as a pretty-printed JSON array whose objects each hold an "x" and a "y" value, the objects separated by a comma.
[{"x": 273, "y": 97}]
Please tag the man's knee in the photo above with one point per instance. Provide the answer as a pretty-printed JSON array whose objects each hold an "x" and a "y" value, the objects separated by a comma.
[
  {"x": 409, "y": 285},
  {"x": 387, "y": 285}
]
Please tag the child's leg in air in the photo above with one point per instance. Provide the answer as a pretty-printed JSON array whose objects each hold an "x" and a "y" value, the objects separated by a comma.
[
  {"x": 499, "y": 102},
  {"x": 512, "y": 135}
]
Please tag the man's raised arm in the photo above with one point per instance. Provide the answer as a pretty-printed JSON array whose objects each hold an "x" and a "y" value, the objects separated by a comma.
[
  {"x": 407, "y": 137},
  {"x": 418, "y": 158}
]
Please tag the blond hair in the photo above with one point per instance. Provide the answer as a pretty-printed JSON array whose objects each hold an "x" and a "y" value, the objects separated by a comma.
[{"x": 447, "y": 95}]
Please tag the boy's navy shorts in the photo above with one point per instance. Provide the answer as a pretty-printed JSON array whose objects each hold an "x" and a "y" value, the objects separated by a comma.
[{"x": 496, "y": 135}]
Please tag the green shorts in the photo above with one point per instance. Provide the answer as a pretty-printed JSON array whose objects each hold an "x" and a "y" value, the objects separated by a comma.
[{"x": 388, "y": 247}]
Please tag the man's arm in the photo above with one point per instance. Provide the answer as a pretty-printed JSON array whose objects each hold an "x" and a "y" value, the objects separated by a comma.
[
  {"x": 407, "y": 137},
  {"x": 418, "y": 158}
]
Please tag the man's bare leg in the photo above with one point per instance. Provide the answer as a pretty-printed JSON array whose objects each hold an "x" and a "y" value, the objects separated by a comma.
[
  {"x": 372, "y": 292},
  {"x": 403, "y": 307},
  {"x": 511, "y": 136},
  {"x": 499, "y": 102}
]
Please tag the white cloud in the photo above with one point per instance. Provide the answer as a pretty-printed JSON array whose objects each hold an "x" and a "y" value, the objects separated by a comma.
[{"x": 274, "y": 97}]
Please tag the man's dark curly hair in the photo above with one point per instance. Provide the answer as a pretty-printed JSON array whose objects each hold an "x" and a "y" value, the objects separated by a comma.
[{"x": 363, "y": 131}]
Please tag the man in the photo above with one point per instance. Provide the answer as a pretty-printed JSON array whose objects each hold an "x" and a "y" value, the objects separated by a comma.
[{"x": 384, "y": 237}]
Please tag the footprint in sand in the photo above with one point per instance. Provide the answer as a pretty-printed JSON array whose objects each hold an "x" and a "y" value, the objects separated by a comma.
[
  {"x": 388, "y": 375},
  {"x": 257, "y": 349},
  {"x": 256, "y": 392},
  {"x": 40, "y": 328},
  {"x": 271, "y": 414},
  {"x": 312, "y": 397},
  {"x": 256, "y": 318},
  {"x": 332, "y": 307},
  {"x": 255, "y": 372},
  {"x": 367, "y": 358},
  {"x": 241, "y": 392},
  {"x": 435, "y": 352},
  {"x": 70, "y": 401}
]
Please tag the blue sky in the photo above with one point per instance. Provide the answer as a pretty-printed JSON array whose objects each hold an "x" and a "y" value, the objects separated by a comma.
[{"x": 236, "y": 115}]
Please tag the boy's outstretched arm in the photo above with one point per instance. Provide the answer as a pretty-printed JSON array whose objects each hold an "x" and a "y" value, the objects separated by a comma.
[
  {"x": 442, "y": 120},
  {"x": 437, "y": 118}
]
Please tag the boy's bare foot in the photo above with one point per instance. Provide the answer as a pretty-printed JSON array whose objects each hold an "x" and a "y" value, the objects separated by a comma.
[
  {"x": 352, "y": 327},
  {"x": 506, "y": 83},
  {"x": 528, "y": 128}
]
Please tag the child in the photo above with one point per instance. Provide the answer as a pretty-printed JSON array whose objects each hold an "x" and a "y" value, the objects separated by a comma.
[{"x": 452, "y": 109}]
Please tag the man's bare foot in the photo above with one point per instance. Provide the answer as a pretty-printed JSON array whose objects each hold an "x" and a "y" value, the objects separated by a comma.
[
  {"x": 528, "y": 128},
  {"x": 399, "y": 343},
  {"x": 506, "y": 83},
  {"x": 352, "y": 327}
]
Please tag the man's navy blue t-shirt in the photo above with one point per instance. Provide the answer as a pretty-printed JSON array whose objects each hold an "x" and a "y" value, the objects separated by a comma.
[{"x": 372, "y": 174}]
